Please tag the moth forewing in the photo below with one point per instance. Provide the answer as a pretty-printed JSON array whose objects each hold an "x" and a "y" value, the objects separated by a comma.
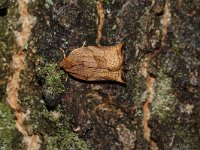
[{"x": 95, "y": 63}]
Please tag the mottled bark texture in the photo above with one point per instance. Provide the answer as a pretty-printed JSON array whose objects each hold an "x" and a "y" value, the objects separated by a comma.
[{"x": 158, "y": 108}]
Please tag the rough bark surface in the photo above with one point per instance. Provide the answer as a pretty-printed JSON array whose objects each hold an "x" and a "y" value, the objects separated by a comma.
[{"x": 158, "y": 108}]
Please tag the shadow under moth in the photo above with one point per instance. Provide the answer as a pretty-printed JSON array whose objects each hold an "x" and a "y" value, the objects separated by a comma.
[{"x": 96, "y": 63}]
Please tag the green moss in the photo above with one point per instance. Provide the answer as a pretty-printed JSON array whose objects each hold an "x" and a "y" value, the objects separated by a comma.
[
  {"x": 5, "y": 56},
  {"x": 140, "y": 94},
  {"x": 7, "y": 40},
  {"x": 62, "y": 137},
  {"x": 2, "y": 3},
  {"x": 66, "y": 140},
  {"x": 164, "y": 103},
  {"x": 175, "y": 46},
  {"x": 7, "y": 127},
  {"x": 105, "y": 1},
  {"x": 48, "y": 3},
  {"x": 2, "y": 56},
  {"x": 51, "y": 77},
  {"x": 55, "y": 126}
]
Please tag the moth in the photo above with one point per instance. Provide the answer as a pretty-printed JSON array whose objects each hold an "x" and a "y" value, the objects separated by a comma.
[{"x": 96, "y": 63}]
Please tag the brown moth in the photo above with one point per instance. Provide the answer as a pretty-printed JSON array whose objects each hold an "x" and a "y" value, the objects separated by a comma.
[{"x": 95, "y": 63}]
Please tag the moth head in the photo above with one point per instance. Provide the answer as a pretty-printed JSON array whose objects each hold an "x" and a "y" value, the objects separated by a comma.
[{"x": 66, "y": 63}]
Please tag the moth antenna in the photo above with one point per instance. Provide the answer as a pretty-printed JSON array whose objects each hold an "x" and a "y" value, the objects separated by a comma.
[
  {"x": 63, "y": 52},
  {"x": 84, "y": 43}
]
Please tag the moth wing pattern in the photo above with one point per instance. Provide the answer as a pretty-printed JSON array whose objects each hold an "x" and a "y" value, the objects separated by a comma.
[{"x": 95, "y": 63}]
